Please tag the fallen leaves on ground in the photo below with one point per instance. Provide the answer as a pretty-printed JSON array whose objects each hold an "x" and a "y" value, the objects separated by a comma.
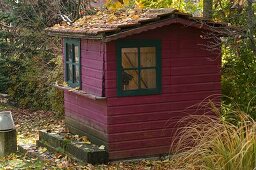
[
  {"x": 28, "y": 123},
  {"x": 78, "y": 138},
  {"x": 15, "y": 161}
]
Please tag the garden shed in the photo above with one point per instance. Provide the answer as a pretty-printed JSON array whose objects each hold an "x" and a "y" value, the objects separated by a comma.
[{"x": 133, "y": 74}]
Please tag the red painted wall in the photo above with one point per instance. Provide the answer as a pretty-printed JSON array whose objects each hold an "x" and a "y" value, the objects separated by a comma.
[
  {"x": 144, "y": 125},
  {"x": 83, "y": 115},
  {"x": 92, "y": 58}
]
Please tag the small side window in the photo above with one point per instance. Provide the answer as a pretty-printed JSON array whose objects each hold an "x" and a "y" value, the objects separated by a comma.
[
  {"x": 72, "y": 62},
  {"x": 138, "y": 68}
]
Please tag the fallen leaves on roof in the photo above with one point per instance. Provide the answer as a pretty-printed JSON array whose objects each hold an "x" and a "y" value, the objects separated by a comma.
[{"x": 110, "y": 21}]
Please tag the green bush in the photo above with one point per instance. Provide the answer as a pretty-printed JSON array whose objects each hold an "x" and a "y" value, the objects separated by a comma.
[
  {"x": 238, "y": 78},
  {"x": 30, "y": 86},
  {"x": 28, "y": 56}
]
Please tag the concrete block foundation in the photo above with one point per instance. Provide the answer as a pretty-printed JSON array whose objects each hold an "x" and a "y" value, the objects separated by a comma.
[{"x": 8, "y": 142}]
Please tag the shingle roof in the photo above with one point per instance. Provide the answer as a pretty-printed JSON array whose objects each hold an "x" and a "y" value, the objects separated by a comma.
[{"x": 107, "y": 23}]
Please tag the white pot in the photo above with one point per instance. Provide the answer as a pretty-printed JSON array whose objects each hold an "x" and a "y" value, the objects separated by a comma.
[{"x": 6, "y": 121}]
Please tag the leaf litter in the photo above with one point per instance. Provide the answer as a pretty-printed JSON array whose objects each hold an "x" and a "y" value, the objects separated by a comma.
[{"x": 28, "y": 123}]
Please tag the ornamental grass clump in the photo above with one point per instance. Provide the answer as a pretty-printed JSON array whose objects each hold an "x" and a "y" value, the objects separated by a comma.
[{"x": 208, "y": 142}]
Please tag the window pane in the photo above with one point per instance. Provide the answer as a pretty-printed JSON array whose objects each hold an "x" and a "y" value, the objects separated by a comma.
[
  {"x": 148, "y": 57},
  {"x": 69, "y": 71},
  {"x": 130, "y": 79},
  {"x": 148, "y": 78},
  {"x": 76, "y": 54},
  {"x": 74, "y": 73},
  {"x": 77, "y": 76},
  {"x": 129, "y": 57},
  {"x": 69, "y": 52}
]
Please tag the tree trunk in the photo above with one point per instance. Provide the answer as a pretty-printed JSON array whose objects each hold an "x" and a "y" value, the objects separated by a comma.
[{"x": 207, "y": 9}]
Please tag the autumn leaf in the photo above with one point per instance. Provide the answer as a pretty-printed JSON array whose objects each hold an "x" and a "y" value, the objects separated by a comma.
[
  {"x": 84, "y": 139},
  {"x": 42, "y": 149},
  {"x": 139, "y": 4},
  {"x": 114, "y": 6},
  {"x": 65, "y": 84},
  {"x": 135, "y": 17},
  {"x": 111, "y": 18},
  {"x": 102, "y": 147}
]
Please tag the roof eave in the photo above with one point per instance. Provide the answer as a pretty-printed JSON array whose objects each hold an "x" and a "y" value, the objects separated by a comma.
[
  {"x": 81, "y": 35},
  {"x": 217, "y": 28}
]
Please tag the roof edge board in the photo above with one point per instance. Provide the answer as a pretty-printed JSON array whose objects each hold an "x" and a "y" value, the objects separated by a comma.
[
  {"x": 76, "y": 35},
  {"x": 160, "y": 23}
]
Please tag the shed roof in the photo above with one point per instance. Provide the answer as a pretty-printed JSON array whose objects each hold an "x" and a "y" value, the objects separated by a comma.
[{"x": 109, "y": 25}]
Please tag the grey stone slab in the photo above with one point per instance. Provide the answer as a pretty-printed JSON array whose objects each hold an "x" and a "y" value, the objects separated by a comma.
[
  {"x": 8, "y": 142},
  {"x": 87, "y": 153}
]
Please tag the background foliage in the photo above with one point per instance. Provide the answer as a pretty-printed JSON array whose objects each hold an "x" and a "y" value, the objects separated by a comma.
[{"x": 30, "y": 60}]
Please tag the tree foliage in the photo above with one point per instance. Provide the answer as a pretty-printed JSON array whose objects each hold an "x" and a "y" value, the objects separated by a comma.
[
  {"x": 30, "y": 61},
  {"x": 239, "y": 59},
  {"x": 28, "y": 58}
]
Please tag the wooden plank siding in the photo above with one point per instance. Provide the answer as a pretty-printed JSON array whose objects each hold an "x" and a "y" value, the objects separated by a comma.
[
  {"x": 85, "y": 116},
  {"x": 92, "y": 66},
  {"x": 145, "y": 125}
]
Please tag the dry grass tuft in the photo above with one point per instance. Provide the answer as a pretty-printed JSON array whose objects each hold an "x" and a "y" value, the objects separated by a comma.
[{"x": 209, "y": 142}]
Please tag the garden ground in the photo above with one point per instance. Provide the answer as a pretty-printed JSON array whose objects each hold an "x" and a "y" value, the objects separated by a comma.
[{"x": 29, "y": 122}]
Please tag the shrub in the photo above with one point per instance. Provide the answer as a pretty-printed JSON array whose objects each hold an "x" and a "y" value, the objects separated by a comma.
[
  {"x": 238, "y": 80},
  {"x": 28, "y": 61}
]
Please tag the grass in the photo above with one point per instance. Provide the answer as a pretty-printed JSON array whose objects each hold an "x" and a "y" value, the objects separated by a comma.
[{"x": 211, "y": 143}]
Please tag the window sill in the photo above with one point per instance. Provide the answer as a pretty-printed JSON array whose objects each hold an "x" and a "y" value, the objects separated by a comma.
[{"x": 79, "y": 92}]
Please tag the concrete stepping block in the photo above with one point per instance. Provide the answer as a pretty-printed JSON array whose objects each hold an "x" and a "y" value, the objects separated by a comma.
[
  {"x": 86, "y": 153},
  {"x": 8, "y": 142}
]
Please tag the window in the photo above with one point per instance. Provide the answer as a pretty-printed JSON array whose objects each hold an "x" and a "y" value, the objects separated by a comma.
[
  {"x": 72, "y": 62},
  {"x": 138, "y": 67}
]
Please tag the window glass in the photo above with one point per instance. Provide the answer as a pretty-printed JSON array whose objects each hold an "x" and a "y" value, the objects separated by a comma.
[
  {"x": 148, "y": 78},
  {"x": 69, "y": 52},
  {"x": 74, "y": 74},
  {"x": 130, "y": 79},
  {"x": 77, "y": 72},
  {"x": 69, "y": 72},
  {"x": 129, "y": 57},
  {"x": 139, "y": 71},
  {"x": 72, "y": 62},
  {"x": 130, "y": 60},
  {"x": 76, "y": 54},
  {"x": 148, "y": 57}
]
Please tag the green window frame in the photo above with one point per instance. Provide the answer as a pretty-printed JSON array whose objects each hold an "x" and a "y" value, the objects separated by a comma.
[
  {"x": 72, "y": 62},
  {"x": 139, "y": 45}
]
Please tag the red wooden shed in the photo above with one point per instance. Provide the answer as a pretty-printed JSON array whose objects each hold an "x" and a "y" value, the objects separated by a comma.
[{"x": 135, "y": 73}]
